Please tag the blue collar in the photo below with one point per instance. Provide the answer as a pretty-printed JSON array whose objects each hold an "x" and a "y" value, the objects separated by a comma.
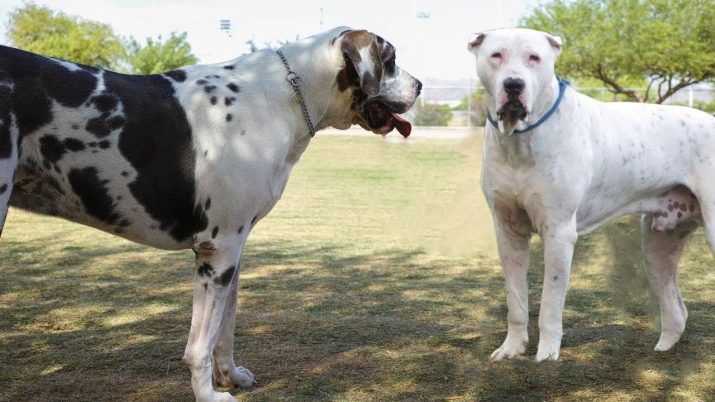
[{"x": 563, "y": 83}]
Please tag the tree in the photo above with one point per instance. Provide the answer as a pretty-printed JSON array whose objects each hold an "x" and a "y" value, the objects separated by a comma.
[
  {"x": 662, "y": 45},
  {"x": 431, "y": 114},
  {"x": 478, "y": 104},
  {"x": 158, "y": 56},
  {"x": 41, "y": 30}
]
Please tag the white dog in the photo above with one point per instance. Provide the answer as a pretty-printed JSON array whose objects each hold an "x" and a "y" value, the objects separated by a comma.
[
  {"x": 559, "y": 163},
  {"x": 191, "y": 158}
]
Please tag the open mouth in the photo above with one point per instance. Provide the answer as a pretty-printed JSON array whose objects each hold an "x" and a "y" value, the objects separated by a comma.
[
  {"x": 512, "y": 111},
  {"x": 381, "y": 119}
]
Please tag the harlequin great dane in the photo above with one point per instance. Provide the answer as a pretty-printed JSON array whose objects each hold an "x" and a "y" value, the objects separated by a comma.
[
  {"x": 191, "y": 158},
  {"x": 560, "y": 163}
]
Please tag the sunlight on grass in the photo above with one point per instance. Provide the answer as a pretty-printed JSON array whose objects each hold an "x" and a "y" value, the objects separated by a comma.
[{"x": 374, "y": 279}]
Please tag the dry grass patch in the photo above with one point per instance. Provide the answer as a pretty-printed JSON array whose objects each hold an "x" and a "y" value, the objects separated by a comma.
[{"x": 375, "y": 278}]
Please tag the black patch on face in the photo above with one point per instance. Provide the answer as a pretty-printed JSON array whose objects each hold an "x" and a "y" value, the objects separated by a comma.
[
  {"x": 229, "y": 67},
  {"x": 156, "y": 140},
  {"x": 104, "y": 144},
  {"x": 125, "y": 173},
  {"x": 3, "y": 188},
  {"x": 206, "y": 269},
  {"x": 225, "y": 278},
  {"x": 229, "y": 117},
  {"x": 202, "y": 82},
  {"x": 233, "y": 87},
  {"x": 51, "y": 148},
  {"x": 214, "y": 100},
  {"x": 228, "y": 101},
  {"x": 207, "y": 205},
  {"x": 209, "y": 88},
  {"x": 214, "y": 232},
  {"x": 176, "y": 75},
  {"x": 93, "y": 193},
  {"x": 73, "y": 144}
]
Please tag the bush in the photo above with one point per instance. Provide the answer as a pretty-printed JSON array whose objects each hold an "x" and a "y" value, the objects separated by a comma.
[
  {"x": 478, "y": 105},
  {"x": 431, "y": 114}
]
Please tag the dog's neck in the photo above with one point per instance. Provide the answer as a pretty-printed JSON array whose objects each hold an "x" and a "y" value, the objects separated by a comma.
[{"x": 317, "y": 64}]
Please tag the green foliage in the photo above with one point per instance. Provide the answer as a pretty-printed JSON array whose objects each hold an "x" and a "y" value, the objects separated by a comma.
[
  {"x": 477, "y": 102},
  {"x": 432, "y": 114},
  {"x": 158, "y": 56},
  {"x": 41, "y": 30},
  {"x": 662, "y": 45}
]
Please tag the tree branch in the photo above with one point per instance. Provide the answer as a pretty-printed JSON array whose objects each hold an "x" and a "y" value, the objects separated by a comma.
[{"x": 616, "y": 88}]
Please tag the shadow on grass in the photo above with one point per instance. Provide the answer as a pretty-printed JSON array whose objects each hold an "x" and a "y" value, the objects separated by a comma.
[{"x": 324, "y": 323}]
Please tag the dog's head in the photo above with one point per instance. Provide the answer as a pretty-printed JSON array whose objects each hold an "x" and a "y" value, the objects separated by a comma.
[
  {"x": 376, "y": 88},
  {"x": 515, "y": 66}
]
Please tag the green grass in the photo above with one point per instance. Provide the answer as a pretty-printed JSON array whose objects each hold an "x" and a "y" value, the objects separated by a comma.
[{"x": 375, "y": 278}]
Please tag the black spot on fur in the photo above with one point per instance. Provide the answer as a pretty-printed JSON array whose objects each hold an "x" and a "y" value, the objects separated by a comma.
[
  {"x": 228, "y": 101},
  {"x": 229, "y": 117},
  {"x": 93, "y": 193},
  {"x": 233, "y": 87},
  {"x": 202, "y": 82},
  {"x": 240, "y": 229},
  {"x": 209, "y": 88},
  {"x": 73, "y": 144},
  {"x": 125, "y": 173},
  {"x": 230, "y": 67},
  {"x": 254, "y": 219},
  {"x": 225, "y": 278},
  {"x": 75, "y": 126},
  {"x": 3, "y": 188},
  {"x": 207, "y": 205},
  {"x": 156, "y": 140},
  {"x": 92, "y": 144},
  {"x": 104, "y": 144},
  {"x": 5, "y": 140},
  {"x": 206, "y": 269},
  {"x": 214, "y": 232},
  {"x": 214, "y": 100},
  {"x": 51, "y": 148},
  {"x": 104, "y": 102},
  {"x": 176, "y": 75}
]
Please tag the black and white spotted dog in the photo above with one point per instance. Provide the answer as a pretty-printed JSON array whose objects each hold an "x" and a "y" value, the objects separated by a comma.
[{"x": 191, "y": 158}]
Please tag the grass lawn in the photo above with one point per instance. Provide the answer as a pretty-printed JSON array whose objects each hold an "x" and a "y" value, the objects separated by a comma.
[{"x": 374, "y": 279}]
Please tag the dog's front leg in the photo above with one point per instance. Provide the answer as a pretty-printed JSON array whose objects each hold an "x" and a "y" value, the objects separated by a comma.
[
  {"x": 226, "y": 373},
  {"x": 216, "y": 266},
  {"x": 559, "y": 240},
  {"x": 513, "y": 232}
]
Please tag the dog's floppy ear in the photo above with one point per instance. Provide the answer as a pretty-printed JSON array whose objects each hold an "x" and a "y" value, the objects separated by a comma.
[
  {"x": 475, "y": 41},
  {"x": 363, "y": 64},
  {"x": 555, "y": 42}
]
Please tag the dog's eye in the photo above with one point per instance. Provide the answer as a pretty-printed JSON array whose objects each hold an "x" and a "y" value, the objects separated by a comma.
[
  {"x": 496, "y": 55},
  {"x": 534, "y": 58},
  {"x": 390, "y": 66}
]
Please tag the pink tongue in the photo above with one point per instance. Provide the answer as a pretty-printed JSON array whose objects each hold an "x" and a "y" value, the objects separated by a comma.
[{"x": 402, "y": 125}]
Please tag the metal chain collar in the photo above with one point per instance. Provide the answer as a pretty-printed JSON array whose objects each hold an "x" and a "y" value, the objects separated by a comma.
[{"x": 296, "y": 82}]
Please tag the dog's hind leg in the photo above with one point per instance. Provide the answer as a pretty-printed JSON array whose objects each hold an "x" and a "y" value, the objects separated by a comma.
[
  {"x": 9, "y": 148},
  {"x": 662, "y": 250},
  {"x": 216, "y": 267}
]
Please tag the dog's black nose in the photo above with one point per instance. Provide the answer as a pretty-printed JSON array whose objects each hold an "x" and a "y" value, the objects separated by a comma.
[
  {"x": 514, "y": 86},
  {"x": 419, "y": 86}
]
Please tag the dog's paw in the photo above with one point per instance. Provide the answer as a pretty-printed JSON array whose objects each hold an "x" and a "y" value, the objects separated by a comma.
[
  {"x": 511, "y": 347},
  {"x": 243, "y": 377},
  {"x": 548, "y": 350},
  {"x": 666, "y": 341}
]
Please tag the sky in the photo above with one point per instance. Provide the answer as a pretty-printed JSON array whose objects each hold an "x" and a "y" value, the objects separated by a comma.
[{"x": 430, "y": 35}]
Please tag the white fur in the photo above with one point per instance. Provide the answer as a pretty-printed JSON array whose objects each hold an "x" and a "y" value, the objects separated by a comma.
[{"x": 590, "y": 162}]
